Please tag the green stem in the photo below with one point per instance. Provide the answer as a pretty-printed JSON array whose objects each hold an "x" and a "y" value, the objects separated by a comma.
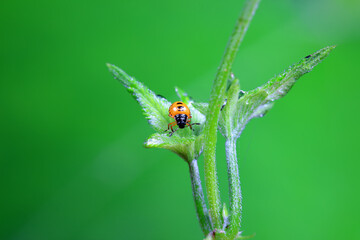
[
  {"x": 200, "y": 205},
  {"x": 234, "y": 188},
  {"x": 216, "y": 99}
]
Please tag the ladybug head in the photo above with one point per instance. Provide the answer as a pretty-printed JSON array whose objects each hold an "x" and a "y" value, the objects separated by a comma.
[{"x": 181, "y": 120}]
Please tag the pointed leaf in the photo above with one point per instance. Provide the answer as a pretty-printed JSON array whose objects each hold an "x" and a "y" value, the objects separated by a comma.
[
  {"x": 258, "y": 102},
  {"x": 188, "y": 148},
  {"x": 184, "y": 97},
  {"x": 154, "y": 107},
  {"x": 280, "y": 85}
]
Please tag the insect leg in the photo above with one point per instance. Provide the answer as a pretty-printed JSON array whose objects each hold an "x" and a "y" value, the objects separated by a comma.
[
  {"x": 190, "y": 125},
  {"x": 173, "y": 124},
  {"x": 171, "y": 133},
  {"x": 170, "y": 125}
]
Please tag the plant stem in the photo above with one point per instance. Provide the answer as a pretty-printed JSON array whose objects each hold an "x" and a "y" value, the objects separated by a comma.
[
  {"x": 234, "y": 188},
  {"x": 200, "y": 205},
  {"x": 216, "y": 99}
]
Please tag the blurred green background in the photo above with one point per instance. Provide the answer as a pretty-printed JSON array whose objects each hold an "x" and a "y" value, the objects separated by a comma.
[{"x": 72, "y": 161}]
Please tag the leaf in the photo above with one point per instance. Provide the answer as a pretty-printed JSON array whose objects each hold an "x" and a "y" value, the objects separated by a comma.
[
  {"x": 256, "y": 103},
  {"x": 202, "y": 107},
  {"x": 280, "y": 85},
  {"x": 251, "y": 105},
  {"x": 184, "y": 97},
  {"x": 188, "y": 148},
  {"x": 155, "y": 108}
]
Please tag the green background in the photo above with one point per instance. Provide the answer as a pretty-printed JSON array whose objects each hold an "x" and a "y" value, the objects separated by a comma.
[{"x": 72, "y": 161}]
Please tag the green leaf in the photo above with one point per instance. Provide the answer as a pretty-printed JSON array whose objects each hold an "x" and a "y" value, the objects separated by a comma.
[
  {"x": 280, "y": 85},
  {"x": 202, "y": 107},
  {"x": 251, "y": 105},
  {"x": 155, "y": 108},
  {"x": 256, "y": 103},
  {"x": 184, "y": 97},
  {"x": 188, "y": 148}
]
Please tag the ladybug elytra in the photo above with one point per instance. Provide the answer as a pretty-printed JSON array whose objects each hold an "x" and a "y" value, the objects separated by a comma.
[{"x": 181, "y": 113}]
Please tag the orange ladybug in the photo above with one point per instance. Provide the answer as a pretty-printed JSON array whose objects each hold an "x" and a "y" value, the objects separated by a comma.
[{"x": 181, "y": 113}]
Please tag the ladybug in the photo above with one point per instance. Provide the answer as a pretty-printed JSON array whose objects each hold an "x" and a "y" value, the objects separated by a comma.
[{"x": 181, "y": 113}]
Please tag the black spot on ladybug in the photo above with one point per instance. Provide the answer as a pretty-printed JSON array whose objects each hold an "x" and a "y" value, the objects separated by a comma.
[
  {"x": 179, "y": 103},
  {"x": 180, "y": 107},
  {"x": 308, "y": 56}
]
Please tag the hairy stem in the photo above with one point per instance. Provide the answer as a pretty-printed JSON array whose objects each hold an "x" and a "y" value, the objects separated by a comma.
[
  {"x": 200, "y": 205},
  {"x": 216, "y": 100},
  {"x": 234, "y": 188}
]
